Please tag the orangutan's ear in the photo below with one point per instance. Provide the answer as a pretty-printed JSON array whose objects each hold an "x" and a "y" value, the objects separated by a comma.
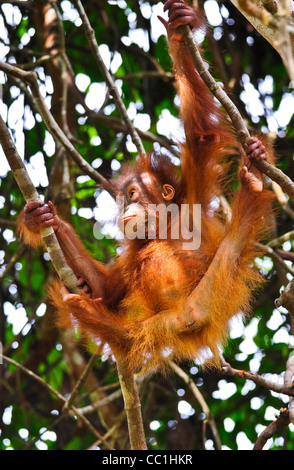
[{"x": 168, "y": 192}]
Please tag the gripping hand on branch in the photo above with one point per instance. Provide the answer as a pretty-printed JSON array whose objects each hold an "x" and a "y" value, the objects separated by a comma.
[
  {"x": 179, "y": 14},
  {"x": 38, "y": 215}
]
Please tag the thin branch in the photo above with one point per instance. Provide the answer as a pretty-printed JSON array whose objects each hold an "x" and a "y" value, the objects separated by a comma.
[
  {"x": 119, "y": 126},
  {"x": 7, "y": 223},
  {"x": 265, "y": 16},
  {"x": 80, "y": 382},
  {"x": 287, "y": 255},
  {"x": 31, "y": 194},
  {"x": 199, "y": 397},
  {"x": 19, "y": 252},
  {"x": 288, "y": 381},
  {"x": 274, "y": 428},
  {"x": 111, "y": 431},
  {"x": 284, "y": 41},
  {"x": 42, "y": 60},
  {"x": 275, "y": 256},
  {"x": 241, "y": 129},
  {"x": 283, "y": 201},
  {"x": 282, "y": 239},
  {"x": 30, "y": 78},
  {"x": 268, "y": 28},
  {"x": 132, "y": 407},
  {"x": 166, "y": 76},
  {"x": 259, "y": 12},
  {"x": 29, "y": 5},
  {"x": 113, "y": 396},
  {"x": 286, "y": 298},
  {"x": 107, "y": 77},
  {"x": 258, "y": 379},
  {"x": 63, "y": 67},
  {"x": 58, "y": 395},
  {"x": 101, "y": 402},
  {"x": 36, "y": 377}
]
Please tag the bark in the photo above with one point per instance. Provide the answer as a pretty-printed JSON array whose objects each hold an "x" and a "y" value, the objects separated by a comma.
[
  {"x": 30, "y": 194},
  {"x": 264, "y": 22},
  {"x": 132, "y": 407}
]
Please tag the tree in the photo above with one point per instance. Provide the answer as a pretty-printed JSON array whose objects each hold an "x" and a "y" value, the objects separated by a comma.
[{"x": 72, "y": 132}]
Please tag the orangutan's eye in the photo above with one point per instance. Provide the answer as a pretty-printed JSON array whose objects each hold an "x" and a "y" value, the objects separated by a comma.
[{"x": 132, "y": 192}]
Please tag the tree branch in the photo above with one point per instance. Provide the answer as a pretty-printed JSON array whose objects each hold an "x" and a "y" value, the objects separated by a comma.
[
  {"x": 263, "y": 22},
  {"x": 275, "y": 427},
  {"x": 30, "y": 78},
  {"x": 288, "y": 381},
  {"x": 107, "y": 77},
  {"x": 58, "y": 395},
  {"x": 241, "y": 129},
  {"x": 29, "y": 5},
  {"x": 199, "y": 397},
  {"x": 80, "y": 382},
  {"x": 132, "y": 407},
  {"x": 284, "y": 41},
  {"x": 30, "y": 194},
  {"x": 282, "y": 239},
  {"x": 275, "y": 256},
  {"x": 19, "y": 252},
  {"x": 258, "y": 379},
  {"x": 119, "y": 126},
  {"x": 286, "y": 298}
]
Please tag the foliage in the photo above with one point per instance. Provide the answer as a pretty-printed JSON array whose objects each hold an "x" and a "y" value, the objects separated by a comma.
[{"x": 133, "y": 45}]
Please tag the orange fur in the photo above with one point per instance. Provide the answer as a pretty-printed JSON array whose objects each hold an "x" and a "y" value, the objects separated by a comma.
[
  {"x": 30, "y": 238},
  {"x": 144, "y": 293}
]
